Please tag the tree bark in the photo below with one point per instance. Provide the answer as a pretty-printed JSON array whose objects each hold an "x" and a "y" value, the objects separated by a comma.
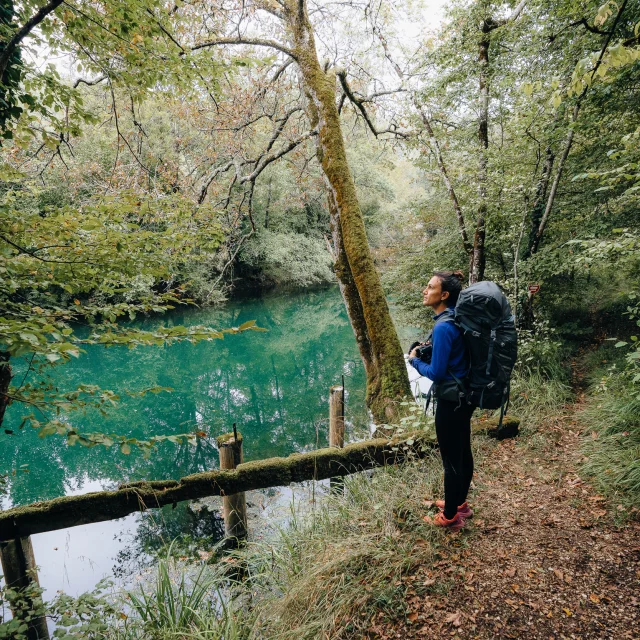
[
  {"x": 538, "y": 203},
  {"x": 387, "y": 379},
  {"x": 556, "y": 181},
  {"x": 477, "y": 259},
  {"x": 349, "y": 292},
  {"x": 5, "y": 381}
]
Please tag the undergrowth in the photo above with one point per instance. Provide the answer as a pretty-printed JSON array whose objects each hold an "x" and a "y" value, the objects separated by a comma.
[
  {"x": 327, "y": 578},
  {"x": 611, "y": 414},
  {"x": 540, "y": 384},
  {"x": 323, "y": 576}
]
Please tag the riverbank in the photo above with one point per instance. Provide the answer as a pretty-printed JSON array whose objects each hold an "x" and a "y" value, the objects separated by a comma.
[{"x": 546, "y": 555}]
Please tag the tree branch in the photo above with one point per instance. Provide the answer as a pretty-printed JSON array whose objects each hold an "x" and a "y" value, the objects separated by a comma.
[
  {"x": 359, "y": 104},
  {"x": 257, "y": 42},
  {"x": 90, "y": 83},
  {"x": 445, "y": 176},
  {"x": 588, "y": 27},
  {"x": 266, "y": 160},
  {"x": 215, "y": 173},
  {"x": 24, "y": 31}
]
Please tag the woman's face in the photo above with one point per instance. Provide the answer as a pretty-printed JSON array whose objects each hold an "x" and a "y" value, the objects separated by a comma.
[{"x": 433, "y": 296}]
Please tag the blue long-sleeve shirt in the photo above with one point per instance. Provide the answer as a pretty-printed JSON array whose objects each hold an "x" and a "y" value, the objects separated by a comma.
[{"x": 449, "y": 353}]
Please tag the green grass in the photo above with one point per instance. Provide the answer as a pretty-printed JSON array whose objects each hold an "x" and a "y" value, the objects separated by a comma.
[
  {"x": 536, "y": 397},
  {"x": 611, "y": 415},
  {"x": 179, "y": 603},
  {"x": 612, "y": 444},
  {"x": 328, "y": 577}
]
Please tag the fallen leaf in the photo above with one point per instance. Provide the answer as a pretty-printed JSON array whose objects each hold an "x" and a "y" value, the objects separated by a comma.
[
  {"x": 413, "y": 616},
  {"x": 428, "y": 503},
  {"x": 594, "y": 598},
  {"x": 567, "y": 611},
  {"x": 454, "y": 619},
  {"x": 559, "y": 574},
  {"x": 510, "y": 572}
]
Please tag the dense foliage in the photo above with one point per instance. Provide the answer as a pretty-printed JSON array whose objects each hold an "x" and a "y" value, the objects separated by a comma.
[{"x": 169, "y": 158}]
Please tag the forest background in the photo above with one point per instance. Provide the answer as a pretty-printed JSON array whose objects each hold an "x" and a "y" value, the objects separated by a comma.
[{"x": 158, "y": 154}]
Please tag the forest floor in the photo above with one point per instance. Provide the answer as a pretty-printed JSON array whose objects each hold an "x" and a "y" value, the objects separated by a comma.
[{"x": 545, "y": 556}]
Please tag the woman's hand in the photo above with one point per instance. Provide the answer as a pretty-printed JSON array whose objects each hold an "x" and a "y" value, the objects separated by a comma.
[{"x": 414, "y": 352}]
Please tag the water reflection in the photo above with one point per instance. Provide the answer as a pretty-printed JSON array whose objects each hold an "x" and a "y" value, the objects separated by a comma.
[{"x": 273, "y": 385}]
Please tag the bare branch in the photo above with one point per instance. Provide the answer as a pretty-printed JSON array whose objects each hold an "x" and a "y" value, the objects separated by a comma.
[
  {"x": 89, "y": 83},
  {"x": 490, "y": 24},
  {"x": 359, "y": 104},
  {"x": 280, "y": 128},
  {"x": 387, "y": 54},
  {"x": 257, "y": 42},
  {"x": 281, "y": 70},
  {"x": 266, "y": 160},
  {"x": 216, "y": 172},
  {"x": 435, "y": 146},
  {"x": 32, "y": 253},
  {"x": 517, "y": 11}
]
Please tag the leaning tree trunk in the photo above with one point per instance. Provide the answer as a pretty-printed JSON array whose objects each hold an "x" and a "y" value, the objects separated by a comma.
[
  {"x": 387, "y": 379},
  {"x": 349, "y": 292}
]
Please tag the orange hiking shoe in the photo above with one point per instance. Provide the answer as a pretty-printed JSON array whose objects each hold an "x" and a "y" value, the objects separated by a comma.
[
  {"x": 464, "y": 510},
  {"x": 454, "y": 524}
]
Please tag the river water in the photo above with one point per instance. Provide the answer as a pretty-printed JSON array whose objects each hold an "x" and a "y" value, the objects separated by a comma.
[{"x": 273, "y": 385}]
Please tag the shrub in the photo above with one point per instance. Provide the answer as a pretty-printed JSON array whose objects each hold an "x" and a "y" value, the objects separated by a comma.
[{"x": 287, "y": 259}]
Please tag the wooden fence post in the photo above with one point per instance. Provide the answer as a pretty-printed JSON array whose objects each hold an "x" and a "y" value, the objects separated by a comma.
[
  {"x": 19, "y": 570},
  {"x": 336, "y": 427},
  {"x": 234, "y": 507}
]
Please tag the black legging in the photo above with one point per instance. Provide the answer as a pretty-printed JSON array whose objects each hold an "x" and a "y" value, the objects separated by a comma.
[{"x": 453, "y": 429}]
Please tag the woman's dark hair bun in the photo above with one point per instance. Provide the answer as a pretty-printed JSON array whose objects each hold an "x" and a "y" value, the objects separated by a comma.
[{"x": 459, "y": 275}]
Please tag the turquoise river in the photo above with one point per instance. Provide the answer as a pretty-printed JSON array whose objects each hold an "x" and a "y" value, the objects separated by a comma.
[{"x": 273, "y": 385}]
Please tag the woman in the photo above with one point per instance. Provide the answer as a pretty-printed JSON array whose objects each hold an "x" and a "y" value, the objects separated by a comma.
[{"x": 448, "y": 366}]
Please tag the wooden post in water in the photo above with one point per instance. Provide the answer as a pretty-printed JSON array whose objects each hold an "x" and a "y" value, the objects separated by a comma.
[
  {"x": 234, "y": 507},
  {"x": 336, "y": 427},
  {"x": 19, "y": 570}
]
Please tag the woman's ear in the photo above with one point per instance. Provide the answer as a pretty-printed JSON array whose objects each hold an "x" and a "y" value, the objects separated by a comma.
[{"x": 445, "y": 295}]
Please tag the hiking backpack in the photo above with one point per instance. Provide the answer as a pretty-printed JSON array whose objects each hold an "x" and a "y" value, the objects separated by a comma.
[{"x": 484, "y": 316}]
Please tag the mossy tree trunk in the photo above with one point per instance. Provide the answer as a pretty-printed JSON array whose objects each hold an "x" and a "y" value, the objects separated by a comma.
[{"x": 380, "y": 348}]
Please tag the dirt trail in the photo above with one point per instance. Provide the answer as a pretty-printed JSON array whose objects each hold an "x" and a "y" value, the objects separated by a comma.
[{"x": 545, "y": 558}]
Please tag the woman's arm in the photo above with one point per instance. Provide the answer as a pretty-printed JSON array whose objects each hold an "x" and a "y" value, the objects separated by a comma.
[{"x": 443, "y": 336}]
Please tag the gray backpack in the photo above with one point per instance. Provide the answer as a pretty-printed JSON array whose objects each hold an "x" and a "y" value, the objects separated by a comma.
[{"x": 484, "y": 315}]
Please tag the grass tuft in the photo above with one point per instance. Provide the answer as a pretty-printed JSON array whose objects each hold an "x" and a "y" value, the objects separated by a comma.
[
  {"x": 612, "y": 444},
  {"x": 535, "y": 398},
  {"x": 331, "y": 576}
]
